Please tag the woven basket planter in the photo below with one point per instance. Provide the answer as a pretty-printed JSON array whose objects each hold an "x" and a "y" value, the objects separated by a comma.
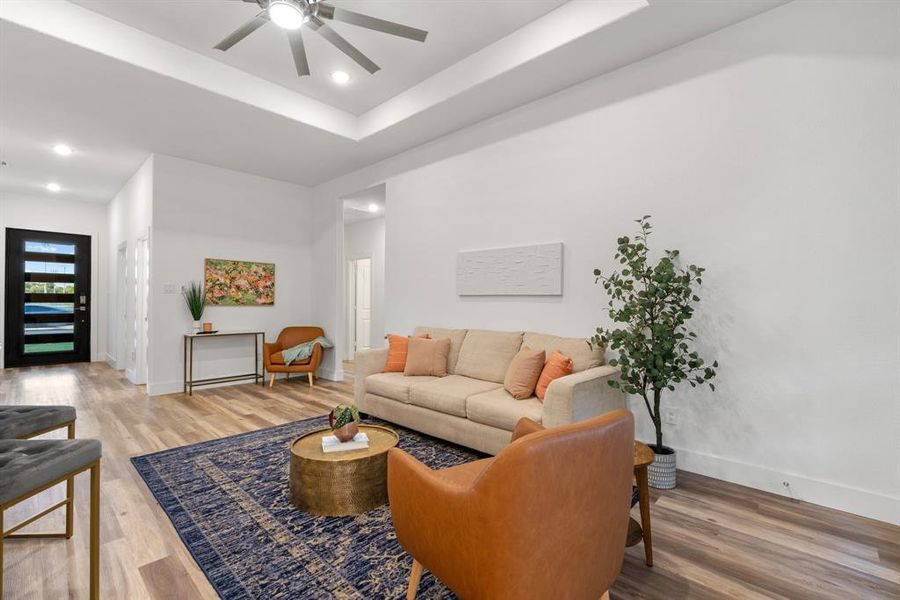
[{"x": 662, "y": 470}]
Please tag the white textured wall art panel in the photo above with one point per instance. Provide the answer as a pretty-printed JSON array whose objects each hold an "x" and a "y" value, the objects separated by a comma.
[{"x": 519, "y": 271}]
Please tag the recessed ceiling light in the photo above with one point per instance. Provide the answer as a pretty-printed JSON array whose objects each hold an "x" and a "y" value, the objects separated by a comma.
[
  {"x": 373, "y": 208},
  {"x": 62, "y": 149},
  {"x": 340, "y": 77},
  {"x": 54, "y": 187},
  {"x": 287, "y": 14}
]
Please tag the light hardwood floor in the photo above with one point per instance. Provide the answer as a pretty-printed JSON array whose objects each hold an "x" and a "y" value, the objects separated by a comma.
[{"x": 711, "y": 539}]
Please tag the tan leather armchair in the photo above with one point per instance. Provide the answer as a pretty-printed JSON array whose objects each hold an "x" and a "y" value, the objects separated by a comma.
[
  {"x": 545, "y": 518},
  {"x": 273, "y": 361}
]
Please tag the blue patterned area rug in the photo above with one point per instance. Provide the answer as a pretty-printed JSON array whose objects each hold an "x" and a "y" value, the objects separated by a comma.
[{"x": 230, "y": 502}]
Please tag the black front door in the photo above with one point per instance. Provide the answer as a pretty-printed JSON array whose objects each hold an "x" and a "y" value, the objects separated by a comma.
[{"x": 48, "y": 298}]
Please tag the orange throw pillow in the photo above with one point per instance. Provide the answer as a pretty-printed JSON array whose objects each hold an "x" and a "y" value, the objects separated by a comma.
[
  {"x": 523, "y": 372},
  {"x": 398, "y": 347},
  {"x": 559, "y": 365},
  {"x": 427, "y": 357}
]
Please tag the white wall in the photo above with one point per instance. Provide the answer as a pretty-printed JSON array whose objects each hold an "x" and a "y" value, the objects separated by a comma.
[
  {"x": 203, "y": 212},
  {"x": 767, "y": 152},
  {"x": 48, "y": 213},
  {"x": 129, "y": 217},
  {"x": 365, "y": 239}
]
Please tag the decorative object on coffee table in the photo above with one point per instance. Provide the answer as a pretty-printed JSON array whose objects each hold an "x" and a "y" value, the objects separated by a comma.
[
  {"x": 344, "y": 422},
  {"x": 653, "y": 302},
  {"x": 340, "y": 483},
  {"x": 194, "y": 298}
]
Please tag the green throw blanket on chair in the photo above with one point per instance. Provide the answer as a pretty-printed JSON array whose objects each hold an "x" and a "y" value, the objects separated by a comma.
[{"x": 304, "y": 350}]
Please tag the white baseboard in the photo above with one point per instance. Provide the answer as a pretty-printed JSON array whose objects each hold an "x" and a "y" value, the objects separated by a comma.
[
  {"x": 111, "y": 360},
  {"x": 824, "y": 493},
  {"x": 330, "y": 374}
]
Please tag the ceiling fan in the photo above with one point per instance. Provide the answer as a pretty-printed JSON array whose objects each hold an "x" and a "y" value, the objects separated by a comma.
[{"x": 291, "y": 15}]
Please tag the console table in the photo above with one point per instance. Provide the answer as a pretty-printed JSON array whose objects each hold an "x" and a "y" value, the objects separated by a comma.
[{"x": 259, "y": 337}]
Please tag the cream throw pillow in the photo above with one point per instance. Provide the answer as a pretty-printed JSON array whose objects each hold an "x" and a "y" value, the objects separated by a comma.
[
  {"x": 523, "y": 373},
  {"x": 427, "y": 357}
]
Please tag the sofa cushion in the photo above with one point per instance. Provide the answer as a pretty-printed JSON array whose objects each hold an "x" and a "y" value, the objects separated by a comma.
[
  {"x": 427, "y": 357},
  {"x": 498, "y": 408},
  {"x": 558, "y": 365},
  {"x": 398, "y": 347},
  {"x": 582, "y": 354},
  {"x": 278, "y": 359},
  {"x": 448, "y": 394},
  {"x": 486, "y": 354},
  {"x": 395, "y": 386},
  {"x": 456, "y": 337},
  {"x": 523, "y": 373}
]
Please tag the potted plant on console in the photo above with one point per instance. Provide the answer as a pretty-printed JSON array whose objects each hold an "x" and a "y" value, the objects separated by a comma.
[
  {"x": 194, "y": 298},
  {"x": 652, "y": 304}
]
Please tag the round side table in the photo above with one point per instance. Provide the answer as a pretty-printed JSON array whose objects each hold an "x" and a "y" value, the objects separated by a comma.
[{"x": 637, "y": 532}]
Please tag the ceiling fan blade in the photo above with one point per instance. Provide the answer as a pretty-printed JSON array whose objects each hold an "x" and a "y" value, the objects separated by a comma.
[
  {"x": 299, "y": 52},
  {"x": 327, "y": 11},
  {"x": 343, "y": 45},
  {"x": 243, "y": 31}
]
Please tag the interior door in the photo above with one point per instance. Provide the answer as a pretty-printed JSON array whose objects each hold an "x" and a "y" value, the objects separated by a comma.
[
  {"x": 363, "y": 305},
  {"x": 121, "y": 306},
  {"x": 48, "y": 298},
  {"x": 142, "y": 320}
]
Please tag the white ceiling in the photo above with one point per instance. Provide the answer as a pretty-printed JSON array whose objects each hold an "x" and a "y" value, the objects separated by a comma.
[
  {"x": 357, "y": 206},
  {"x": 456, "y": 29},
  {"x": 117, "y": 94}
]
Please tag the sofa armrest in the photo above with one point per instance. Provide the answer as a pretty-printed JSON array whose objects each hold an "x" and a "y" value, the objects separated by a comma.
[
  {"x": 366, "y": 362},
  {"x": 580, "y": 396}
]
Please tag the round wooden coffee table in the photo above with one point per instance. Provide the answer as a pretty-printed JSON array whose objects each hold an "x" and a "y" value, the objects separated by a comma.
[{"x": 338, "y": 484}]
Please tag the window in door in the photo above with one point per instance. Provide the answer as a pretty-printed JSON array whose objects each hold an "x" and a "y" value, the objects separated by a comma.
[{"x": 47, "y": 297}]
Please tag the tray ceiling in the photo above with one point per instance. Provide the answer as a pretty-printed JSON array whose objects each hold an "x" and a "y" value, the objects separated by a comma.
[{"x": 456, "y": 29}]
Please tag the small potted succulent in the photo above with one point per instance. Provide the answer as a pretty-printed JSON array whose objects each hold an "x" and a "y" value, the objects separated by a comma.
[
  {"x": 344, "y": 422},
  {"x": 194, "y": 299}
]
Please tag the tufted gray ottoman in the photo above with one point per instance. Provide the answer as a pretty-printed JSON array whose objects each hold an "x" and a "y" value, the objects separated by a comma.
[
  {"x": 28, "y": 467},
  {"x": 21, "y": 422}
]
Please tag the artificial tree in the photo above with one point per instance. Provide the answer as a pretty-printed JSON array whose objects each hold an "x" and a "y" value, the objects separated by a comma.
[{"x": 653, "y": 304}]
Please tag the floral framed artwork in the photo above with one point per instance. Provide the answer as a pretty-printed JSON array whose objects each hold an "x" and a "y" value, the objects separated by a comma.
[{"x": 239, "y": 283}]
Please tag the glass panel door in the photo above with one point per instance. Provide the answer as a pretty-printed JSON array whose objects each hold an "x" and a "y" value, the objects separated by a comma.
[{"x": 47, "y": 297}]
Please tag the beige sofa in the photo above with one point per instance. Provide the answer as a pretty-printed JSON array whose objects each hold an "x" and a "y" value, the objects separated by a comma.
[{"x": 469, "y": 406}]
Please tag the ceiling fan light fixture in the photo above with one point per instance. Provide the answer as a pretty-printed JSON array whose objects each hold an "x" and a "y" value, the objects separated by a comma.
[
  {"x": 340, "y": 77},
  {"x": 287, "y": 14}
]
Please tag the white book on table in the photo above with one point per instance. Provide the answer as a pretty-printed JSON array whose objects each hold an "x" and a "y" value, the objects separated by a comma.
[{"x": 332, "y": 444}]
